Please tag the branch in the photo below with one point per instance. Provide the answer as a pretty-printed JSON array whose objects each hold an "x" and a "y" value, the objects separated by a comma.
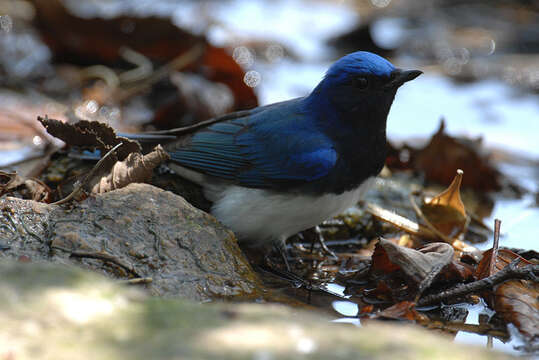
[{"x": 510, "y": 272}]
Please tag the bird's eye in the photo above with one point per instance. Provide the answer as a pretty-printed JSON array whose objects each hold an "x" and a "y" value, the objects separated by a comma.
[{"x": 361, "y": 83}]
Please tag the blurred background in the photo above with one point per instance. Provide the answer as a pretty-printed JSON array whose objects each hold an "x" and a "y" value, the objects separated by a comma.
[
  {"x": 146, "y": 65},
  {"x": 114, "y": 60}
]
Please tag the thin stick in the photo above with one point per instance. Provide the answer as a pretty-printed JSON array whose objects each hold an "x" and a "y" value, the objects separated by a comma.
[
  {"x": 84, "y": 181},
  {"x": 494, "y": 254},
  {"x": 510, "y": 272},
  {"x": 177, "y": 63}
]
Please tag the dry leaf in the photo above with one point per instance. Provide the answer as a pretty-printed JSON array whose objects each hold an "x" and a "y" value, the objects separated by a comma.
[
  {"x": 515, "y": 300},
  {"x": 446, "y": 211},
  {"x": 403, "y": 310},
  {"x": 30, "y": 188},
  {"x": 135, "y": 168},
  {"x": 91, "y": 135},
  {"x": 445, "y": 153},
  {"x": 417, "y": 264}
]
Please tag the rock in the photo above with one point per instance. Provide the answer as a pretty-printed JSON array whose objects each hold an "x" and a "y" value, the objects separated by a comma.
[
  {"x": 59, "y": 312},
  {"x": 138, "y": 231}
]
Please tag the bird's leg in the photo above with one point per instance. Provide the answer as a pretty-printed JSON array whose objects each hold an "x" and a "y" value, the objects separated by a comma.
[
  {"x": 280, "y": 246},
  {"x": 320, "y": 239}
]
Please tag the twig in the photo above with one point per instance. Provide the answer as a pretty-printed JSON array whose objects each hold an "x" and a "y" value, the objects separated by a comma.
[
  {"x": 321, "y": 241},
  {"x": 138, "y": 281},
  {"x": 510, "y": 272},
  {"x": 495, "y": 245},
  {"x": 88, "y": 176},
  {"x": 480, "y": 329},
  {"x": 177, "y": 63},
  {"x": 143, "y": 68},
  {"x": 102, "y": 72},
  {"x": 99, "y": 256}
]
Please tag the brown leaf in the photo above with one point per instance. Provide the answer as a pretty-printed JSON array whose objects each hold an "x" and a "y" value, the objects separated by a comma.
[
  {"x": 381, "y": 261},
  {"x": 416, "y": 264},
  {"x": 30, "y": 188},
  {"x": 403, "y": 310},
  {"x": 446, "y": 211},
  {"x": 515, "y": 300},
  {"x": 504, "y": 258},
  {"x": 89, "y": 134},
  {"x": 458, "y": 271},
  {"x": 444, "y": 154},
  {"x": 135, "y": 168}
]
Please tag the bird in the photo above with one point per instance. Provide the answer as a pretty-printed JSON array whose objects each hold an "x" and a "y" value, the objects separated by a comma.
[{"x": 276, "y": 170}]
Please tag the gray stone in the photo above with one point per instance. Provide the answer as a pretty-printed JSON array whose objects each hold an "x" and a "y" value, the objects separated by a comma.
[
  {"x": 138, "y": 231},
  {"x": 61, "y": 312}
]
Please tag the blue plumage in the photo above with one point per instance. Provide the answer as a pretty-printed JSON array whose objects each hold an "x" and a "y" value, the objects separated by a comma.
[
  {"x": 278, "y": 169},
  {"x": 250, "y": 152}
]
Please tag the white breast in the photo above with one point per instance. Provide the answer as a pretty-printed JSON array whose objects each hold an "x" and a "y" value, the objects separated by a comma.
[{"x": 262, "y": 215}]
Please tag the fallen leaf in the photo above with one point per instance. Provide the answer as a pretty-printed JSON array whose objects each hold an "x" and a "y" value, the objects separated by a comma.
[
  {"x": 517, "y": 301},
  {"x": 89, "y": 135},
  {"x": 446, "y": 211},
  {"x": 444, "y": 154},
  {"x": 416, "y": 264},
  {"x": 135, "y": 168},
  {"x": 109, "y": 173},
  {"x": 403, "y": 310},
  {"x": 28, "y": 188}
]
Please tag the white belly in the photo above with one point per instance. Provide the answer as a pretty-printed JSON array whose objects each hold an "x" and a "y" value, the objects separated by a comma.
[{"x": 260, "y": 215}]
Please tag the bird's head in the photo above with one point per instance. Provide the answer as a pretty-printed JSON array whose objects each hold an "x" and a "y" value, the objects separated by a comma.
[{"x": 361, "y": 83}]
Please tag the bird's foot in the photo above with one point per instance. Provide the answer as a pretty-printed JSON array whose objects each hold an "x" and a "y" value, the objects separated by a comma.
[
  {"x": 280, "y": 246},
  {"x": 320, "y": 239}
]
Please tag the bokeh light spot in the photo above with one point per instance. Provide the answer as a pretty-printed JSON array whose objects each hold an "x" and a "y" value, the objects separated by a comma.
[
  {"x": 252, "y": 78},
  {"x": 274, "y": 53},
  {"x": 380, "y": 3},
  {"x": 6, "y": 23},
  {"x": 243, "y": 56}
]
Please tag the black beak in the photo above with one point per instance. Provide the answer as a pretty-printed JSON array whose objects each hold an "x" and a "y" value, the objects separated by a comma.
[{"x": 399, "y": 77}]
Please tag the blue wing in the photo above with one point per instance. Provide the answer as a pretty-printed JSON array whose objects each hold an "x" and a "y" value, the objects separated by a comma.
[{"x": 272, "y": 147}]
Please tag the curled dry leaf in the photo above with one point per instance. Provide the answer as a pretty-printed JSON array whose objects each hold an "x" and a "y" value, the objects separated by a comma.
[
  {"x": 32, "y": 188},
  {"x": 446, "y": 211},
  {"x": 135, "y": 168},
  {"x": 515, "y": 300},
  {"x": 417, "y": 264},
  {"x": 111, "y": 174},
  {"x": 90, "y": 135}
]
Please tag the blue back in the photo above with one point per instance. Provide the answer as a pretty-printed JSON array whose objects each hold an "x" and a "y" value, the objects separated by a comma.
[
  {"x": 323, "y": 142},
  {"x": 273, "y": 148}
]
